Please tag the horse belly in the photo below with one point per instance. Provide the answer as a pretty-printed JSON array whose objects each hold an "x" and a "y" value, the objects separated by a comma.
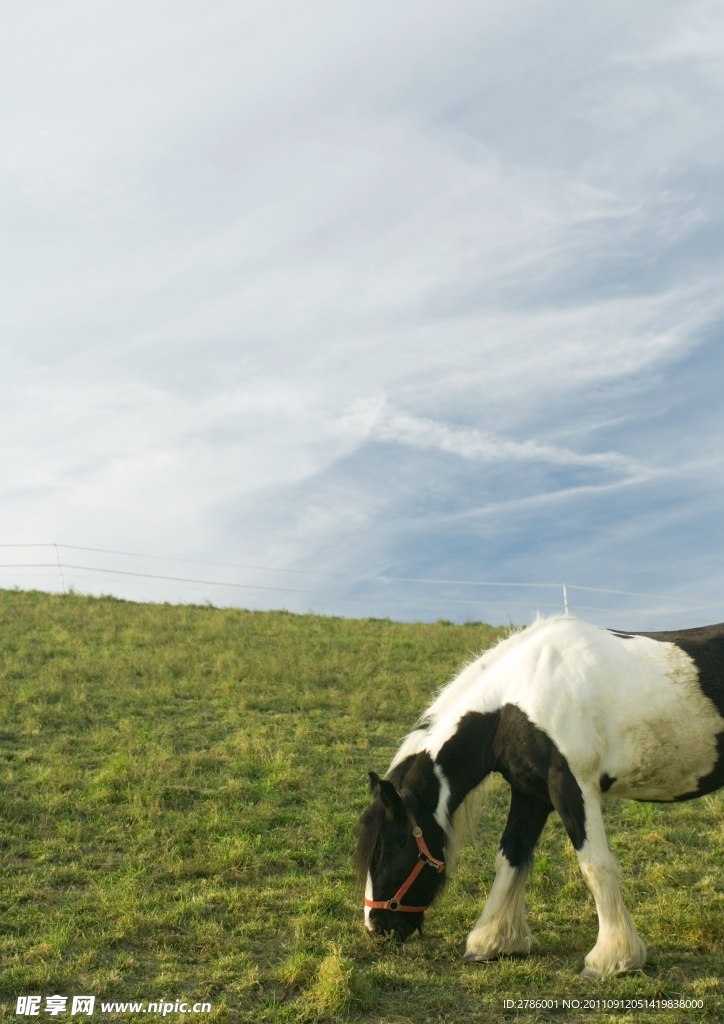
[
  {"x": 667, "y": 739},
  {"x": 662, "y": 760}
]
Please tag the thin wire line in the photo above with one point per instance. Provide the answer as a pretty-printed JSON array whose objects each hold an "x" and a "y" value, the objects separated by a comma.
[
  {"x": 392, "y": 579},
  {"x": 29, "y": 575},
  {"x": 223, "y": 583},
  {"x": 308, "y": 572},
  {"x": 418, "y": 603},
  {"x": 281, "y": 590},
  {"x": 633, "y": 593},
  {"x": 303, "y": 572},
  {"x": 630, "y": 611},
  {"x": 380, "y": 578}
]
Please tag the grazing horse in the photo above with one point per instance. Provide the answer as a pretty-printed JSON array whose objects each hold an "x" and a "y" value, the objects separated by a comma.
[{"x": 566, "y": 713}]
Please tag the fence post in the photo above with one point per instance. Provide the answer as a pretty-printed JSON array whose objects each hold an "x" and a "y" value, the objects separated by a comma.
[
  {"x": 565, "y": 599},
  {"x": 60, "y": 567}
]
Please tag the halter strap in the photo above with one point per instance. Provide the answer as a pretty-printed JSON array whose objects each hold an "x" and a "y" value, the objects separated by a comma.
[{"x": 423, "y": 857}]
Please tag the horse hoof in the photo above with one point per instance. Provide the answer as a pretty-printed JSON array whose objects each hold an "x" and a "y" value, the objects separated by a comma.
[
  {"x": 480, "y": 958},
  {"x": 589, "y": 972}
]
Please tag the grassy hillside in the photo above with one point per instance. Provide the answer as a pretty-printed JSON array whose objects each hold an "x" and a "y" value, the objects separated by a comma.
[{"x": 179, "y": 792}]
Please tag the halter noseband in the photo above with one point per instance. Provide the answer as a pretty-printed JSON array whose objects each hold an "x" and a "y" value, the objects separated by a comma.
[{"x": 423, "y": 857}]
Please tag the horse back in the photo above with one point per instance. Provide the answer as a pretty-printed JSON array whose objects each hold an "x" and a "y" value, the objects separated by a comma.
[{"x": 637, "y": 715}]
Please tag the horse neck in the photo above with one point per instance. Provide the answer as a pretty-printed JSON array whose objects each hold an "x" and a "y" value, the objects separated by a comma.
[{"x": 465, "y": 759}]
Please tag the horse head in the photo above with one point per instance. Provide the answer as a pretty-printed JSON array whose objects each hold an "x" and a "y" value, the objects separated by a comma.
[{"x": 401, "y": 859}]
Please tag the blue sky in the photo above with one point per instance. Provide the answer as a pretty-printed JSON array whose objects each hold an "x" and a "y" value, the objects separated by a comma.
[{"x": 409, "y": 290}]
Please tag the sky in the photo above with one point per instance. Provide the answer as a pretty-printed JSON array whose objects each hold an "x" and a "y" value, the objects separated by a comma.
[{"x": 331, "y": 299}]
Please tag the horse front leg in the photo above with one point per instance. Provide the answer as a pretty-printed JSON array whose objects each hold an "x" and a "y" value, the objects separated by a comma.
[
  {"x": 619, "y": 947},
  {"x": 502, "y": 927}
]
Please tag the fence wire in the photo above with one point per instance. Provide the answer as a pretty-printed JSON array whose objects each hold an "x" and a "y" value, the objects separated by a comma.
[{"x": 427, "y": 594}]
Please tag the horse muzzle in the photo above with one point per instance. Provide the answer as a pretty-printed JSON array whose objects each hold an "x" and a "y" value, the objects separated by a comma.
[{"x": 393, "y": 925}]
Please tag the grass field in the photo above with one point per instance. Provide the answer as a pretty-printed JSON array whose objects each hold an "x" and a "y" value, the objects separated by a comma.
[{"x": 180, "y": 787}]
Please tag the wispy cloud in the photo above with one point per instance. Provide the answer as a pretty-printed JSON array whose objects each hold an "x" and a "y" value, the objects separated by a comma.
[
  {"x": 322, "y": 286},
  {"x": 485, "y": 446}
]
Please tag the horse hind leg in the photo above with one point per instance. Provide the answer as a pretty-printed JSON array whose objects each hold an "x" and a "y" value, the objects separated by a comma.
[
  {"x": 502, "y": 928},
  {"x": 618, "y": 947}
]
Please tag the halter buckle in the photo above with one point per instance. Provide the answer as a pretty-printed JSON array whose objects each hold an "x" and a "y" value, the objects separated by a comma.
[
  {"x": 392, "y": 904},
  {"x": 438, "y": 865}
]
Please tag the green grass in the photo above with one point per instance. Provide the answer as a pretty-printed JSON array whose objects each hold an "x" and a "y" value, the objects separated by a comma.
[{"x": 180, "y": 787}]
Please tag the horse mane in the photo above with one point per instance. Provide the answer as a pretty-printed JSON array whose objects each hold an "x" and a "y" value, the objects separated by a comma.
[
  {"x": 463, "y": 824},
  {"x": 370, "y": 825},
  {"x": 451, "y": 693}
]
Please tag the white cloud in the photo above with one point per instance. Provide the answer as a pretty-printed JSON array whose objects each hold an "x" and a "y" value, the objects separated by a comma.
[
  {"x": 244, "y": 242},
  {"x": 486, "y": 446}
]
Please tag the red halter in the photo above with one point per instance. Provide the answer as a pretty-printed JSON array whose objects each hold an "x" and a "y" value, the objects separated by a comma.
[{"x": 423, "y": 857}]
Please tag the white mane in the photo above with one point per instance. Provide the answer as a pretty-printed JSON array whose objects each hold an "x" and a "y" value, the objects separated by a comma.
[{"x": 454, "y": 693}]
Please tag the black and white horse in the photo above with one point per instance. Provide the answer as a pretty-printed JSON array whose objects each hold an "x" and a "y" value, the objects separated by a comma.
[{"x": 566, "y": 713}]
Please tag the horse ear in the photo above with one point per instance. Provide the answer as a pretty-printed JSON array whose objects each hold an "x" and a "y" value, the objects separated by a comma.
[
  {"x": 392, "y": 801},
  {"x": 375, "y": 781}
]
